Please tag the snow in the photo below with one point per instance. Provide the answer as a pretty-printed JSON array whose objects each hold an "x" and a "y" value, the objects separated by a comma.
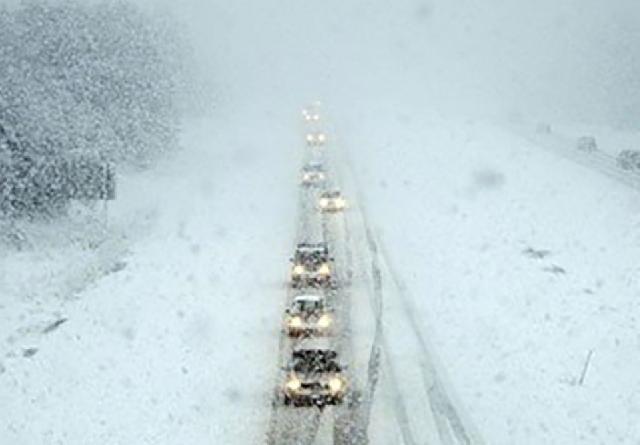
[
  {"x": 161, "y": 342},
  {"x": 158, "y": 320},
  {"x": 152, "y": 352},
  {"x": 513, "y": 331}
]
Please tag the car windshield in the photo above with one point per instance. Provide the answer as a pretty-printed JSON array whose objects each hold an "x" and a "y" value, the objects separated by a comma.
[
  {"x": 307, "y": 305},
  {"x": 316, "y": 362}
]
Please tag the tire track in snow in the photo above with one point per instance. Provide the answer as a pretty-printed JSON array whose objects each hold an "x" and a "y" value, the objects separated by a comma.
[
  {"x": 452, "y": 428},
  {"x": 285, "y": 425}
]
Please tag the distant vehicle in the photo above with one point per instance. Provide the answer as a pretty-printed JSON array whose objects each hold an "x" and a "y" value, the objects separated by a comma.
[
  {"x": 313, "y": 174},
  {"x": 312, "y": 112},
  {"x": 314, "y": 378},
  {"x": 543, "y": 128},
  {"x": 316, "y": 139},
  {"x": 629, "y": 160},
  {"x": 311, "y": 266},
  {"x": 310, "y": 115},
  {"x": 587, "y": 144},
  {"x": 308, "y": 315},
  {"x": 332, "y": 201}
]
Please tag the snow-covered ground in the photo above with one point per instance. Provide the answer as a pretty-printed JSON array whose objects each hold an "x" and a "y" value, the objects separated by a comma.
[
  {"x": 521, "y": 265},
  {"x": 173, "y": 340}
]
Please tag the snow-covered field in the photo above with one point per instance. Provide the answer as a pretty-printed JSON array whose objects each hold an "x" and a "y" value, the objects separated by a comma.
[
  {"x": 521, "y": 265},
  {"x": 175, "y": 342},
  {"x": 157, "y": 320}
]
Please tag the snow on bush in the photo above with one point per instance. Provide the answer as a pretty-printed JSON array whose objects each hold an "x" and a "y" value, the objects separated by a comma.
[
  {"x": 87, "y": 82},
  {"x": 101, "y": 78}
]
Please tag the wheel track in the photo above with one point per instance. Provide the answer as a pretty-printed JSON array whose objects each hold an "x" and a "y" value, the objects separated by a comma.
[{"x": 452, "y": 428}]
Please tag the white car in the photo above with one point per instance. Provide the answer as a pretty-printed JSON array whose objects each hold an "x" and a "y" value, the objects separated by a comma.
[
  {"x": 332, "y": 202},
  {"x": 315, "y": 139},
  {"x": 313, "y": 174},
  {"x": 308, "y": 315}
]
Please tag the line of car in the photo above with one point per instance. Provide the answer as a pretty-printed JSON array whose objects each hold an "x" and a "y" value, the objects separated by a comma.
[
  {"x": 627, "y": 159},
  {"x": 313, "y": 375}
]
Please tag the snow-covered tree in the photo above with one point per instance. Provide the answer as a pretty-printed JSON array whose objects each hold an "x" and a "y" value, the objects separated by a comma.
[{"x": 87, "y": 79}]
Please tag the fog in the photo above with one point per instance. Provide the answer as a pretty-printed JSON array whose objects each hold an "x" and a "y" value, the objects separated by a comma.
[
  {"x": 474, "y": 228},
  {"x": 549, "y": 59}
]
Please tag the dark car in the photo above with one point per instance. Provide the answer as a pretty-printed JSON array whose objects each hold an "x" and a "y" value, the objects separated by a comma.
[
  {"x": 587, "y": 144},
  {"x": 629, "y": 160},
  {"x": 311, "y": 265},
  {"x": 314, "y": 378}
]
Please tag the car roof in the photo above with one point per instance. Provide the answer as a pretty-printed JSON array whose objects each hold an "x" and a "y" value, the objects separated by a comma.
[
  {"x": 310, "y": 246},
  {"x": 309, "y": 297},
  {"x": 313, "y": 343}
]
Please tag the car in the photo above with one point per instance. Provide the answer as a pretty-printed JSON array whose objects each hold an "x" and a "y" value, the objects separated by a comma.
[
  {"x": 543, "y": 128},
  {"x": 313, "y": 174},
  {"x": 629, "y": 160},
  {"x": 311, "y": 114},
  {"x": 587, "y": 144},
  {"x": 311, "y": 266},
  {"x": 308, "y": 315},
  {"x": 314, "y": 377},
  {"x": 331, "y": 201},
  {"x": 315, "y": 139}
]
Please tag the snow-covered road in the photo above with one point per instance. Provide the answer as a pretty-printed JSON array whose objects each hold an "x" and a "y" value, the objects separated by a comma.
[{"x": 516, "y": 262}]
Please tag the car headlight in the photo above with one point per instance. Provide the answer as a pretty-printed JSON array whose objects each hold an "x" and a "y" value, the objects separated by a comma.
[
  {"x": 306, "y": 177},
  {"x": 298, "y": 269},
  {"x": 324, "y": 321},
  {"x": 324, "y": 269},
  {"x": 324, "y": 202},
  {"x": 295, "y": 322},
  {"x": 310, "y": 138},
  {"x": 293, "y": 384},
  {"x": 322, "y": 137},
  {"x": 340, "y": 202},
  {"x": 335, "y": 385}
]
